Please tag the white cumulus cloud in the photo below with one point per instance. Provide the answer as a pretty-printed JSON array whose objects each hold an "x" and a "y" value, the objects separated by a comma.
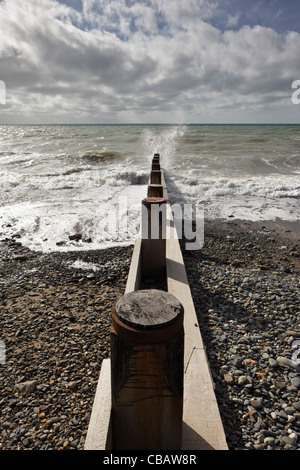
[{"x": 141, "y": 61}]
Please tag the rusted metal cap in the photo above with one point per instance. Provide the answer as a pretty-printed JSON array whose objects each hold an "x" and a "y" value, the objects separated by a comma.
[
  {"x": 148, "y": 316},
  {"x": 153, "y": 200}
]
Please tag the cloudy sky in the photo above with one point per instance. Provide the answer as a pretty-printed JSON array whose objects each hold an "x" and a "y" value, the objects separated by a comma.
[{"x": 149, "y": 61}]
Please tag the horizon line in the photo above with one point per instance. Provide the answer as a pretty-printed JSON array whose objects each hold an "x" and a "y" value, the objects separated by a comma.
[{"x": 155, "y": 124}]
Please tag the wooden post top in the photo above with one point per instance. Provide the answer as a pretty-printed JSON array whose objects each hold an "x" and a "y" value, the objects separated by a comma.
[{"x": 147, "y": 316}]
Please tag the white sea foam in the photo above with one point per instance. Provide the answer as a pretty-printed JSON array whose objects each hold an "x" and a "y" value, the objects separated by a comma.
[
  {"x": 102, "y": 221},
  {"x": 79, "y": 264},
  {"x": 256, "y": 198}
]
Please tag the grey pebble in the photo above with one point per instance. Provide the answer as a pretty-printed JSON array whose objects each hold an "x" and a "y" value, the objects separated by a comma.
[
  {"x": 273, "y": 362},
  {"x": 291, "y": 441},
  {"x": 286, "y": 362},
  {"x": 256, "y": 403},
  {"x": 296, "y": 381}
]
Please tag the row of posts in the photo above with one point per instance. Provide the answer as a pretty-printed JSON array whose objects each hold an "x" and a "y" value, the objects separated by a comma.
[
  {"x": 147, "y": 342},
  {"x": 153, "y": 226}
]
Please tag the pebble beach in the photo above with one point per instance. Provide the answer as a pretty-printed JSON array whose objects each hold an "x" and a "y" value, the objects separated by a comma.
[
  {"x": 245, "y": 285},
  {"x": 55, "y": 325}
]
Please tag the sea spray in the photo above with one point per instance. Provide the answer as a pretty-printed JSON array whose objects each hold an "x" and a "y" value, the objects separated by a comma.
[{"x": 164, "y": 141}]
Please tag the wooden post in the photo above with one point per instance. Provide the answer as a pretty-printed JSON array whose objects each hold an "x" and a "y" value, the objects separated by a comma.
[
  {"x": 153, "y": 228},
  {"x": 156, "y": 158},
  {"x": 147, "y": 342},
  {"x": 155, "y": 166},
  {"x": 155, "y": 190},
  {"x": 155, "y": 177}
]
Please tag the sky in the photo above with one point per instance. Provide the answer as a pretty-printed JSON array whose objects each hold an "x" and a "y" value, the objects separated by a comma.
[{"x": 149, "y": 61}]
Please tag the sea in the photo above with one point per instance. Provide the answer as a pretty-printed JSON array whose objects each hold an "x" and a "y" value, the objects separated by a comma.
[{"x": 89, "y": 180}]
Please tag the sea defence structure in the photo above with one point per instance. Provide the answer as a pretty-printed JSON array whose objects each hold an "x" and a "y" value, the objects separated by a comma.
[{"x": 156, "y": 391}]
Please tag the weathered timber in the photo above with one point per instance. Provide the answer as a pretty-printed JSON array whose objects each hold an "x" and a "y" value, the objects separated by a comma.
[
  {"x": 99, "y": 433},
  {"x": 156, "y": 158},
  {"x": 155, "y": 166},
  {"x": 147, "y": 343}
]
